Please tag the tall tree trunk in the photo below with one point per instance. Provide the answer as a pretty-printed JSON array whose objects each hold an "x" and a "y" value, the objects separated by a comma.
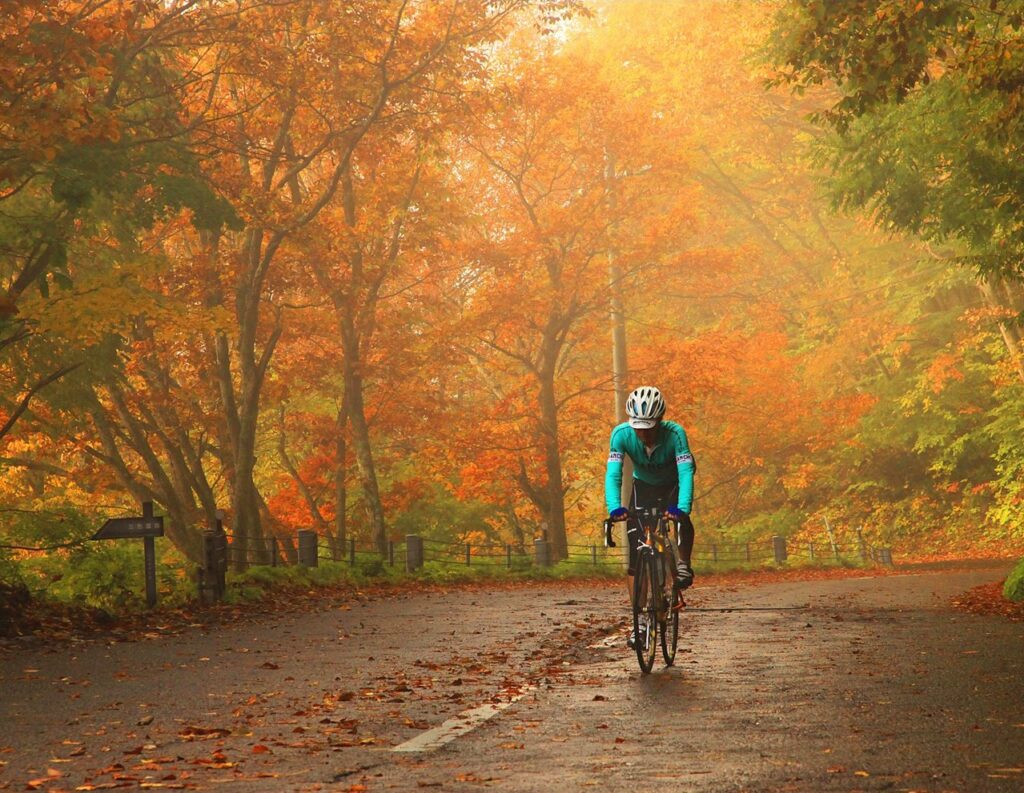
[
  {"x": 553, "y": 466},
  {"x": 340, "y": 488},
  {"x": 361, "y": 431}
]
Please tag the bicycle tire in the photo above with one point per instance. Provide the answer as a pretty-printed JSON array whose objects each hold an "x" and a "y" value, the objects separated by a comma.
[
  {"x": 670, "y": 627},
  {"x": 645, "y": 613}
]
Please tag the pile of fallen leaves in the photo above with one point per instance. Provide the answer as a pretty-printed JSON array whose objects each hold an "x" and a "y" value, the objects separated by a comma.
[{"x": 988, "y": 599}]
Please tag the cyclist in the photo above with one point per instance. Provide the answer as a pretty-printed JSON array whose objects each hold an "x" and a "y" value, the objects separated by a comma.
[{"x": 663, "y": 469}]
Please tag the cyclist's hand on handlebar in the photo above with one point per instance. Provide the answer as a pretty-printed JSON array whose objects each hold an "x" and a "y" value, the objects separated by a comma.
[
  {"x": 674, "y": 513},
  {"x": 619, "y": 513}
]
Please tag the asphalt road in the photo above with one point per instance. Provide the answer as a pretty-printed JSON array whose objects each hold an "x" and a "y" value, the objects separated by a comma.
[{"x": 835, "y": 685}]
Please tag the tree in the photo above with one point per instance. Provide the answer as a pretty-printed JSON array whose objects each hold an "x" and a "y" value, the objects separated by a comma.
[
  {"x": 540, "y": 289},
  {"x": 93, "y": 151},
  {"x": 924, "y": 131}
]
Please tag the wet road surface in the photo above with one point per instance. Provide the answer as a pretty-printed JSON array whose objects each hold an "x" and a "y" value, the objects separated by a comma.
[{"x": 828, "y": 685}]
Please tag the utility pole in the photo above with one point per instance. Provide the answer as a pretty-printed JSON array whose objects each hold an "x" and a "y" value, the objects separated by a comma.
[
  {"x": 620, "y": 369},
  {"x": 618, "y": 312}
]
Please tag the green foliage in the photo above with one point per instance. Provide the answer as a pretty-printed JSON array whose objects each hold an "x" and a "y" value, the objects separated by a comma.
[
  {"x": 1013, "y": 589},
  {"x": 372, "y": 567},
  {"x": 108, "y": 575},
  {"x": 32, "y": 528},
  {"x": 782, "y": 522},
  {"x": 925, "y": 123},
  {"x": 440, "y": 516},
  {"x": 101, "y": 574}
]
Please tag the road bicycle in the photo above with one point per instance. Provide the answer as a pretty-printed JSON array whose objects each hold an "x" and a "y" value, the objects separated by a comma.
[{"x": 656, "y": 599}]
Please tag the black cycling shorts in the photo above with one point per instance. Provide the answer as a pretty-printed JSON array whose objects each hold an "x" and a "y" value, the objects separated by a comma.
[{"x": 645, "y": 496}]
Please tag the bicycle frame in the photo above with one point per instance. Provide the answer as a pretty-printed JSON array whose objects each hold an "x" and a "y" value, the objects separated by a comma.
[{"x": 655, "y": 537}]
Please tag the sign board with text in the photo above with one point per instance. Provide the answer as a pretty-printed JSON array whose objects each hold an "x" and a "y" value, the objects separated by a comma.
[{"x": 130, "y": 528}]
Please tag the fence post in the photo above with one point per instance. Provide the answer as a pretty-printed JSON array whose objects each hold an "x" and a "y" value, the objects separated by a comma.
[
  {"x": 467, "y": 554},
  {"x": 351, "y": 552},
  {"x": 273, "y": 551},
  {"x": 593, "y": 555},
  {"x": 714, "y": 552},
  {"x": 207, "y": 574},
  {"x": 748, "y": 551},
  {"x": 309, "y": 551},
  {"x": 220, "y": 557},
  {"x": 779, "y": 548},
  {"x": 835, "y": 550},
  {"x": 862, "y": 545},
  {"x": 542, "y": 552},
  {"x": 810, "y": 550},
  {"x": 508, "y": 555},
  {"x": 413, "y": 552},
  {"x": 391, "y": 553}
]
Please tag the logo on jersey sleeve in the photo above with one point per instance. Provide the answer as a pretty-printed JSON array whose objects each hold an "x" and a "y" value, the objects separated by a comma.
[
  {"x": 615, "y": 457},
  {"x": 684, "y": 458}
]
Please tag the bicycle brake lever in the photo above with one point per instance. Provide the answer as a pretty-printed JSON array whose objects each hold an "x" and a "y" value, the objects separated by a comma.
[{"x": 608, "y": 541}]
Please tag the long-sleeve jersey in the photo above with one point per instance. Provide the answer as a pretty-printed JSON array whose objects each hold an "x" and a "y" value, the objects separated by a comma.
[{"x": 668, "y": 462}]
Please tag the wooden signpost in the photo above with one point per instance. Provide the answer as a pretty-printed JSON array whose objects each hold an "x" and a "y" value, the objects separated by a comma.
[{"x": 147, "y": 527}]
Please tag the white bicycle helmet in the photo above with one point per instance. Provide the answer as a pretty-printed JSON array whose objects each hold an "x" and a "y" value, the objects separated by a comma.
[{"x": 645, "y": 407}]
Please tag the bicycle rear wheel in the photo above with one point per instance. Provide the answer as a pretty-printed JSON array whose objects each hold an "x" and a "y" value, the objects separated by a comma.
[{"x": 645, "y": 611}]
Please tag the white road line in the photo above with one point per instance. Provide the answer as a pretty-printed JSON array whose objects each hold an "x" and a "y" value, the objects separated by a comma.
[{"x": 453, "y": 728}]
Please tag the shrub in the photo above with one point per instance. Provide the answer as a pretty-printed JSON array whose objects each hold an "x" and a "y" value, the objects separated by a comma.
[{"x": 1013, "y": 589}]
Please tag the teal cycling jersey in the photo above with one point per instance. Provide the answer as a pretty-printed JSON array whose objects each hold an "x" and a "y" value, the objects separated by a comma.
[{"x": 668, "y": 462}]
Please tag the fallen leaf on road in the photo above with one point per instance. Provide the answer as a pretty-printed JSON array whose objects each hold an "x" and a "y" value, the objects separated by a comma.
[
  {"x": 471, "y": 777},
  {"x": 51, "y": 775},
  {"x": 260, "y": 749},
  {"x": 861, "y": 773},
  {"x": 203, "y": 733}
]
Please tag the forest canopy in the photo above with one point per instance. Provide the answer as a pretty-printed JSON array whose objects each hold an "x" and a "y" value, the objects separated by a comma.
[{"x": 350, "y": 267}]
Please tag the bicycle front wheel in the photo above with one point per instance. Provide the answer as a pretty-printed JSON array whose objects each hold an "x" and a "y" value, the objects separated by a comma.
[
  {"x": 670, "y": 630},
  {"x": 674, "y": 598},
  {"x": 645, "y": 611}
]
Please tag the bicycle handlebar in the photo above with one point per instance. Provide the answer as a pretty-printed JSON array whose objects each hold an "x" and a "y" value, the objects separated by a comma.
[{"x": 609, "y": 541}]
